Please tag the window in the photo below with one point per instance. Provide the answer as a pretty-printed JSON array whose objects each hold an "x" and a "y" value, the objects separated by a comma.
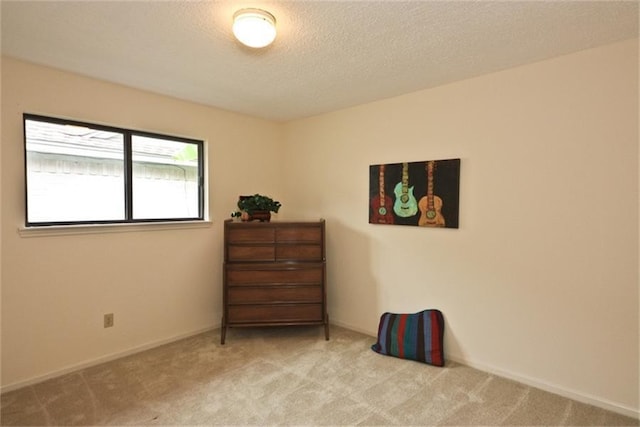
[{"x": 81, "y": 173}]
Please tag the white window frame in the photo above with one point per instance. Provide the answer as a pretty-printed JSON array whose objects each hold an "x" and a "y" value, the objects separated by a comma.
[{"x": 128, "y": 219}]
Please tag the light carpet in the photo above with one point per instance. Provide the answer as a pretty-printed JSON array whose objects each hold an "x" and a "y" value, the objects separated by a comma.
[{"x": 288, "y": 376}]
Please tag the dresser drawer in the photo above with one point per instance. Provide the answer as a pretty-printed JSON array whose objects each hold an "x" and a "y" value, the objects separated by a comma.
[
  {"x": 299, "y": 234},
  {"x": 299, "y": 253},
  {"x": 251, "y": 234},
  {"x": 266, "y": 276},
  {"x": 251, "y": 253},
  {"x": 284, "y": 313},
  {"x": 273, "y": 294}
]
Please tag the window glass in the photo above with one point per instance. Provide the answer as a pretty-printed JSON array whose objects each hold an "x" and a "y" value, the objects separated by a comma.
[
  {"x": 74, "y": 173},
  {"x": 165, "y": 178}
]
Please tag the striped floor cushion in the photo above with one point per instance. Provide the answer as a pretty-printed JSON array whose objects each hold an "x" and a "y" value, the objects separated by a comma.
[{"x": 416, "y": 336}]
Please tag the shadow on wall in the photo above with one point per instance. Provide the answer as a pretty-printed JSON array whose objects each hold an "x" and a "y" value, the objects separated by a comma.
[
  {"x": 353, "y": 293},
  {"x": 356, "y": 297}
]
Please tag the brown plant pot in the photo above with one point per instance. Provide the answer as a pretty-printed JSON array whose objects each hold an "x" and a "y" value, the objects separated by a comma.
[{"x": 262, "y": 216}]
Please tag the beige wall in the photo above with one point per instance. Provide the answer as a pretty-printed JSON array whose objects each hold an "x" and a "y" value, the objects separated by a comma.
[
  {"x": 540, "y": 282},
  {"x": 159, "y": 284}
]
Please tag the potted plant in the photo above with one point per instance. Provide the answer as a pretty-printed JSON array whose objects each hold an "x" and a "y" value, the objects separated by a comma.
[{"x": 257, "y": 207}]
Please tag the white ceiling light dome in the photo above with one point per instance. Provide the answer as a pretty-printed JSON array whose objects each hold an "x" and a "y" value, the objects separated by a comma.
[{"x": 254, "y": 27}]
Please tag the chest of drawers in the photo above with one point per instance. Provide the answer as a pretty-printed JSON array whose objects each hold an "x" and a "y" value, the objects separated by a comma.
[{"x": 274, "y": 273}]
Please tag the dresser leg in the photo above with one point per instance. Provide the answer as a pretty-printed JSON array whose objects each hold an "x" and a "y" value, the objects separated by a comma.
[
  {"x": 223, "y": 331},
  {"x": 326, "y": 327}
]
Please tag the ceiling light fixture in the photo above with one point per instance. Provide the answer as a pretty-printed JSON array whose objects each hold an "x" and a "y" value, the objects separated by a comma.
[{"x": 254, "y": 27}]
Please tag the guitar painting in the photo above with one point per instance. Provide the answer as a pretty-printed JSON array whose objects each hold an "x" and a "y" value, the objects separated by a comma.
[
  {"x": 430, "y": 205},
  {"x": 381, "y": 204},
  {"x": 423, "y": 194},
  {"x": 406, "y": 204}
]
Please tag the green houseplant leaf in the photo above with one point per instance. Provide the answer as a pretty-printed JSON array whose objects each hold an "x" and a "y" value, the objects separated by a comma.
[{"x": 258, "y": 202}]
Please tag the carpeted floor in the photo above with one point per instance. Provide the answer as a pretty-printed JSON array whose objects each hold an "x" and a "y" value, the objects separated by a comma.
[{"x": 287, "y": 376}]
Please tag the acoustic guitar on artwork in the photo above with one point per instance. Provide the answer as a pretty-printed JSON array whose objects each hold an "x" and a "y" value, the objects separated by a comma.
[
  {"x": 406, "y": 204},
  {"x": 430, "y": 205},
  {"x": 381, "y": 204}
]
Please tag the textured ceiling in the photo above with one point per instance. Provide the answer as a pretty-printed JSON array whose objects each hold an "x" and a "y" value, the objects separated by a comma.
[{"x": 328, "y": 55}]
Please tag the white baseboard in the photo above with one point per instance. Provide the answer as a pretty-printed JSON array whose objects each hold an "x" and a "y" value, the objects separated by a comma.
[
  {"x": 551, "y": 388},
  {"x": 354, "y": 328},
  {"x": 533, "y": 382},
  {"x": 102, "y": 359}
]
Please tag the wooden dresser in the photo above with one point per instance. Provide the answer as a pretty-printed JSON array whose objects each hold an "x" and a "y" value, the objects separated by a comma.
[{"x": 274, "y": 273}]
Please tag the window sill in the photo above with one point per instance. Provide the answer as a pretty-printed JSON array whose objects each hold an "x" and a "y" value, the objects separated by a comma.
[{"x": 63, "y": 230}]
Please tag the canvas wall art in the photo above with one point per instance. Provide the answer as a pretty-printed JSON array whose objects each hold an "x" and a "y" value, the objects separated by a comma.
[{"x": 424, "y": 194}]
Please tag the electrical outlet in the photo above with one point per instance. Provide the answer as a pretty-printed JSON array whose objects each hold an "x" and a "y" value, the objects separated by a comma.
[{"x": 108, "y": 320}]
